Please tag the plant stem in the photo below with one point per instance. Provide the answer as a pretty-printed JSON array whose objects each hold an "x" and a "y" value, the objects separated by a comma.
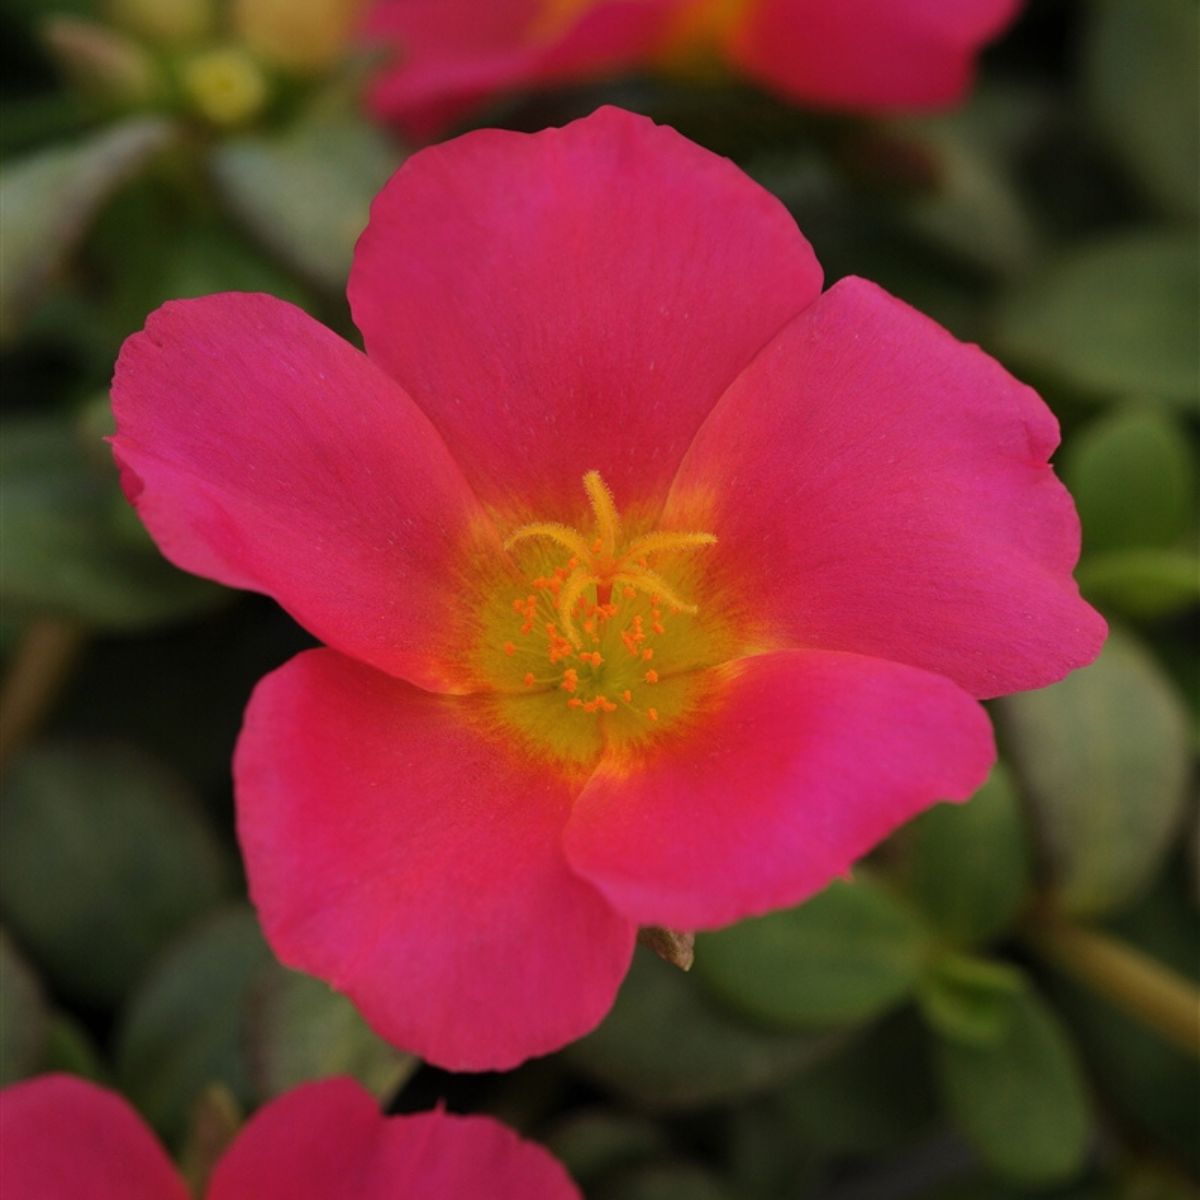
[
  {"x": 1140, "y": 986},
  {"x": 39, "y": 666}
]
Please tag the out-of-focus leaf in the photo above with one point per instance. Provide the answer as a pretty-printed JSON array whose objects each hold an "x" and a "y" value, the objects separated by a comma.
[
  {"x": 1113, "y": 318},
  {"x": 185, "y": 1025},
  {"x": 299, "y": 1029},
  {"x": 1141, "y": 62},
  {"x": 212, "y": 1126},
  {"x": 1142, "y": 583},
  {"x": 665, "y": 1181},
  {"x": 667, "y": 1045},
  {"x": 22, "y": 1015},
  {"x": 845, "y": 956},
  {"x": 875, "y": 1094},
  {"x": 306, "y": 194},
  {"x": 1020, "y": 1098},
  {"x": 103, "y": 860},
  {"x": 1133, "y": 478},
  {"x": 1104, "y": 758},
  {"x": 969, "y": 999},
  {"x": 967, "y": 865},
  {"x": 48, "y": 200},
  {"x": 67, "y": 544},
  {"x": 596, "y": 1142},
  {"x": 69, "y": 1047}
]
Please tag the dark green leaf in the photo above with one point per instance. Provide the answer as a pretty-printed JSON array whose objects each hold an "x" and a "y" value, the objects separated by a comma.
[
  {"x": 665, "y": 1181},
  {"x": 843, "y": 957},
  {"x": 1133, "y": 478},
  {"x": 70, "y": 1048},
  {"x": 1104, "y": 759},
  {"x": 1142, "y": 60},
  {"x": 103, "y": 860},
  {"x": 596, "y": 1142},
  {"x": 22, "y": 1015},
  {"x": 306, "y": 195},
  {"x": 969, "y": 999},
  {"x": 668, "y": 1046},
  {"x": 967, "y": 865},
  {"x": 48, "y": 200},
  {"x": 185, "y": 1026},
  {"x": 69, "y": 543},
  {"x": 299, "y": 1029},
  {"x": 1114, "y": 318},
  {"x": 1020, "y": 1098}
]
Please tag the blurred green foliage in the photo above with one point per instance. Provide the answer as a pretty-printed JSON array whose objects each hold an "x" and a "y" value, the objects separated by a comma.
[{"x": 908, "y": 1033}]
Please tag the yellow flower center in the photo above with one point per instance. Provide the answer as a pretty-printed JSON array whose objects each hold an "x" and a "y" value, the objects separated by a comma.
[{"x": 597, "y": 642}]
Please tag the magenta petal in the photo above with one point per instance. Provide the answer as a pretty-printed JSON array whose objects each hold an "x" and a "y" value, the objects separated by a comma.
[
  {"x": 869, "y": 54},
  {"x": 396, "y": 850},
  {"x": 806, "y": 762},
  {"x": 881, "y": 488},
  {"x": 453, "y": 54},
  {"x": 263, "y": 451},
  {"x": 574, "y": 299},
  {"x": 62, "y": 1138},
  {"x": 329, "y": 1139}
]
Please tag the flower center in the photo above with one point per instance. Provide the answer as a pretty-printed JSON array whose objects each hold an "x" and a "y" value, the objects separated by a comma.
[{"x": 599, "y": 642}]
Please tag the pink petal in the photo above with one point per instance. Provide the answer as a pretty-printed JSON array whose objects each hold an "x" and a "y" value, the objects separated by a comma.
[
  {"x": 263, "y": 451},
  {"x": 329, "y": 1139},
  {"x": 399, "y": 848},
  {"x": 869, "y": 54},
  {"x": 62, "y": 1138},
  {"x": 575, "y": 299},
  {"x": 878, "y": 487},
  {"x": 805, "y": 761},
  {"x": 451, "y": 55}
]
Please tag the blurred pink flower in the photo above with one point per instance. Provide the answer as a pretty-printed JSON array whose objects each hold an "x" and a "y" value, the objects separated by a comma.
[
  {"x": 62, "y": 1138},
  {"x": 861, "y": 55},
  {"x": 658, "y": 586}
]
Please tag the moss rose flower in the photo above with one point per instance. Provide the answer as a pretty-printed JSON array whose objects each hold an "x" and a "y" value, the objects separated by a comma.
[
  {"x": 62, "y": 1138},
  {"x": 658, "y": 586}
]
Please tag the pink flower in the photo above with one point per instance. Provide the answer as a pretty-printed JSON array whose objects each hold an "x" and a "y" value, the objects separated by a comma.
[
  {"x": 62, "y": 1138},
  {"x": 658, "y": 586},
  {"x": 861, "y": 55}
]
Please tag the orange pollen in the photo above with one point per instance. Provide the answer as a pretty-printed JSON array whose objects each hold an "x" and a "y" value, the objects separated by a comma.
[
  {"x": 651, "y": 677},
  {"x": 509, "y": 649},
  {"x": 652, "y": 713}
]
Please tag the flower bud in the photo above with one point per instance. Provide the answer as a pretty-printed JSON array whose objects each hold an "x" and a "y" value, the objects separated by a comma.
[{"x": 225, "y": 85}]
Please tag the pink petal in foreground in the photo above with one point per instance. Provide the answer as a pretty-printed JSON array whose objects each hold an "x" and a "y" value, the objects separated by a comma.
[
  {"x": 878, "y": 487},
  {"x": 573, "y": 300},
  {"x": 805, "y": 761},
  {"x": 329, "y": 1139},
  {"x": 402, "y": 850},
  {"x": 869, "y": 54},
  {"x": 62, "y": 1138},
  {"x": 263, "y": 451}
]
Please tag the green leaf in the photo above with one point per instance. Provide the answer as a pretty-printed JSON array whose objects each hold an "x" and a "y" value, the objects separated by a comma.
[
  {"x": 596, "y": 1142},
  {"x": 847, "y": 955},
  {"x": 874, "y": 1094},
  {"x": 306, "y": 195},
  {"x": 47, "y": 202},
  {"x": 68, "y": 543},
  {"x": 969, "y": 999},
  {"x": 70, "y": 1048},
  {"x": 1133, "y": 477},
  {"x": 103, "y": 860},
  {"x": 1141, "y": 61},
  {"x": 1019, "y": 1098},
  {"x": 666, "y": 1181},
  {"x": 666, "y": 1045},
  {"x": 1142, "y": 583},
  {"x": 23, "y": 1022},
  {"x": 967, "y": 865},
  {"x": 185, "y": 1026},
  {"x": 1112, "y": 318},
  {"x": 299, "y": 1029},
  {"x": 1104, "y": 759}
]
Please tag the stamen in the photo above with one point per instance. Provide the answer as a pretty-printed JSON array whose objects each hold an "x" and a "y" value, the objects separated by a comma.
[
  {"x": 572, "y": 590},
  {"x": 648, "y": 581}
]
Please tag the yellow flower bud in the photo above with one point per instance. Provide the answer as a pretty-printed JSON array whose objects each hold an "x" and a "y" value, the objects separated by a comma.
[{"x": 225, "y": 85}]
